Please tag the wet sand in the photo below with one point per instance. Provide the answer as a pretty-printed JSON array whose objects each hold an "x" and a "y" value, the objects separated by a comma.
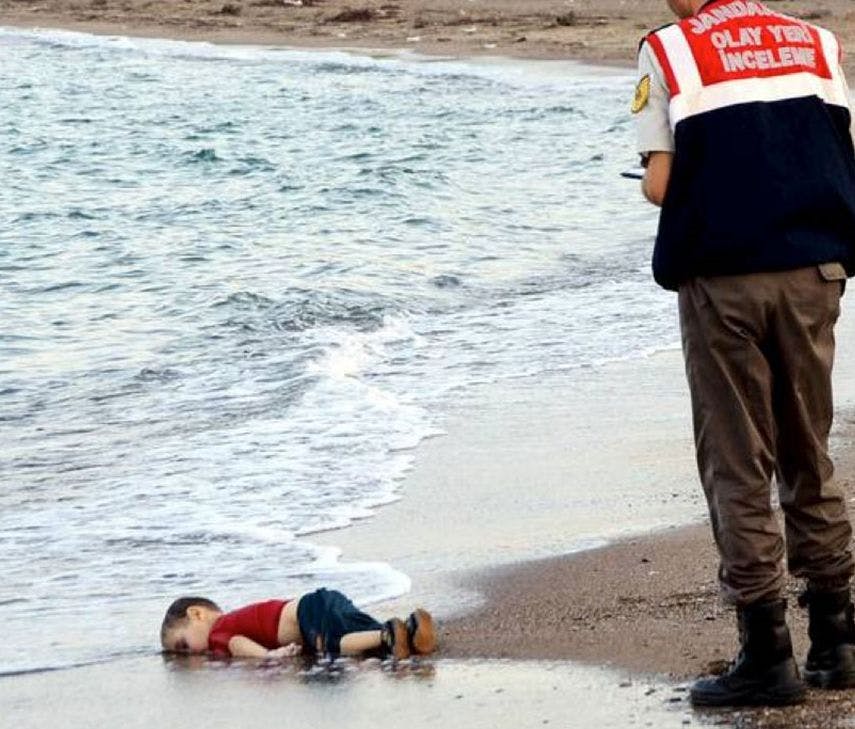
[
  {"x": 592, "y": 30},
  {"x": 143, "y": 693}
]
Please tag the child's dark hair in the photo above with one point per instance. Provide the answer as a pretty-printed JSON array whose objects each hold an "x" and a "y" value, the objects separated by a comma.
[{"x": 177, "y": 612}]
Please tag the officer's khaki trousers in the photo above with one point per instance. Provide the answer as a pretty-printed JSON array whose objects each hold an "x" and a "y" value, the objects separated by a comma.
[{"x": 759, "y": 351}]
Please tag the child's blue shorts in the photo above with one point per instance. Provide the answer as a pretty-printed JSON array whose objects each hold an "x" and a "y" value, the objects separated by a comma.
[{"x": 329, "y": 615}]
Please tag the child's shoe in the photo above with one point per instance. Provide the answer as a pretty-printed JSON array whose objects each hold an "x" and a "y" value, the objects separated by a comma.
[
  {"x": 421, "y": 633},
  {"x": 396, "y": 643}
]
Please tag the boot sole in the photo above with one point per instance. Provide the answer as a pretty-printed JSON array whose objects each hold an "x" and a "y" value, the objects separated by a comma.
[
  {"x": 423, "y": 636},
  {"x": 755, "y": 698}
]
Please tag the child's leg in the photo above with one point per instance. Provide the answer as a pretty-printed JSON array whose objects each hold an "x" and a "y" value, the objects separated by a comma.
[
  {"x": 352, "y": 632},
  {"x": 354, "y": 644},
  {"x": 362, "y": 634},
  {"x": 341, "y": 627}
]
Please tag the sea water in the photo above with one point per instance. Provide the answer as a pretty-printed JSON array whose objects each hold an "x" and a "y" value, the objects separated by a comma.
[{"x": 239, "y": 285}]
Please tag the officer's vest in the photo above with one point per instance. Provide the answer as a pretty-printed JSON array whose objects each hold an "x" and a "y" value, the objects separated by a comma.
[{"x": 764, "y": 170}]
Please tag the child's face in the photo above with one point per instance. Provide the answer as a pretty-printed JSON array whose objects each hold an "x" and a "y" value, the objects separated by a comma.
[{"x": 191, "y": 636}]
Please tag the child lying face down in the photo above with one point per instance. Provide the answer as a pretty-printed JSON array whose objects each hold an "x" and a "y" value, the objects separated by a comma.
[{"x": 323, "y": 622}]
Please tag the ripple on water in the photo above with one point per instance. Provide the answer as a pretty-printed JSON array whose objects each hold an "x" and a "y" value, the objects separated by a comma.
[{"x": 207, "y": 154}]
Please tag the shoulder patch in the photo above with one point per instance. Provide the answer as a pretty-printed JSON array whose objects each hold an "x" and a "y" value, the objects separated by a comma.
[{"x": 642, "y": 94}]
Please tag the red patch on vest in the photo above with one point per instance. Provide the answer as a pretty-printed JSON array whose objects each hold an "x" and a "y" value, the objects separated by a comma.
[{"x": 755, "y": 47}]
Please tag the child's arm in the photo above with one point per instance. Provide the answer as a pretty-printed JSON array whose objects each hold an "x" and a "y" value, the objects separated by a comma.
[{"x": 242, "y": 647}]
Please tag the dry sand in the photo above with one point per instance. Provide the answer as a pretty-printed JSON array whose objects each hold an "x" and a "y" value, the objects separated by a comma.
[{"x": 592, "y": 30}]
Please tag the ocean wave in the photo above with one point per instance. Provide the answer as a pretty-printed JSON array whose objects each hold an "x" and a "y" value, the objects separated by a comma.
[{"x": 300, "y": 310}]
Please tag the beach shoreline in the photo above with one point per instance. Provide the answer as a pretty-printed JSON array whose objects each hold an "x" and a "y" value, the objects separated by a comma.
[{"x": 594, "y": 31}]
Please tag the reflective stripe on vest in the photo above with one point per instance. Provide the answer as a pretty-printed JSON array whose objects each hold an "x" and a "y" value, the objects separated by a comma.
[{"x": 736, "y": 52}]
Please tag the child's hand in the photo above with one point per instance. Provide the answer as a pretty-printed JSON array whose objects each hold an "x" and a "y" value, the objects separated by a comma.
[{"x": 286, "y": 651}]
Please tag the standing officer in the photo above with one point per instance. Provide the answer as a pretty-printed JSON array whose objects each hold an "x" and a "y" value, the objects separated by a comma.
[{"x": 744, "y": 124}]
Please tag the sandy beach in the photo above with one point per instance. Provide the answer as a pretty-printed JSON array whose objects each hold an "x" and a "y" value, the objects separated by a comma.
[{"x": 591, "y": 30}]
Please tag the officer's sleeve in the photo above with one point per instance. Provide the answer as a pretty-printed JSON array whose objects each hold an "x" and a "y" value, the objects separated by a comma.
[{"x": 651, "y": 105}]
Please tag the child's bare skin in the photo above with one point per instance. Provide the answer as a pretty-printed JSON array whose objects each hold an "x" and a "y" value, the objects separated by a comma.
[{"x": 192, "y": 637}]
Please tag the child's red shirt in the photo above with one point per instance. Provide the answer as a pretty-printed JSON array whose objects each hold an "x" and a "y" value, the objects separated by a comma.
[{"x": 258, "y": 622}]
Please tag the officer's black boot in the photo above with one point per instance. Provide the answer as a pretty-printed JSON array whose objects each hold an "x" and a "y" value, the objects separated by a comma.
[
  {"x": 831, "y": 659},
  {"x": 765, "y": 672}
]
